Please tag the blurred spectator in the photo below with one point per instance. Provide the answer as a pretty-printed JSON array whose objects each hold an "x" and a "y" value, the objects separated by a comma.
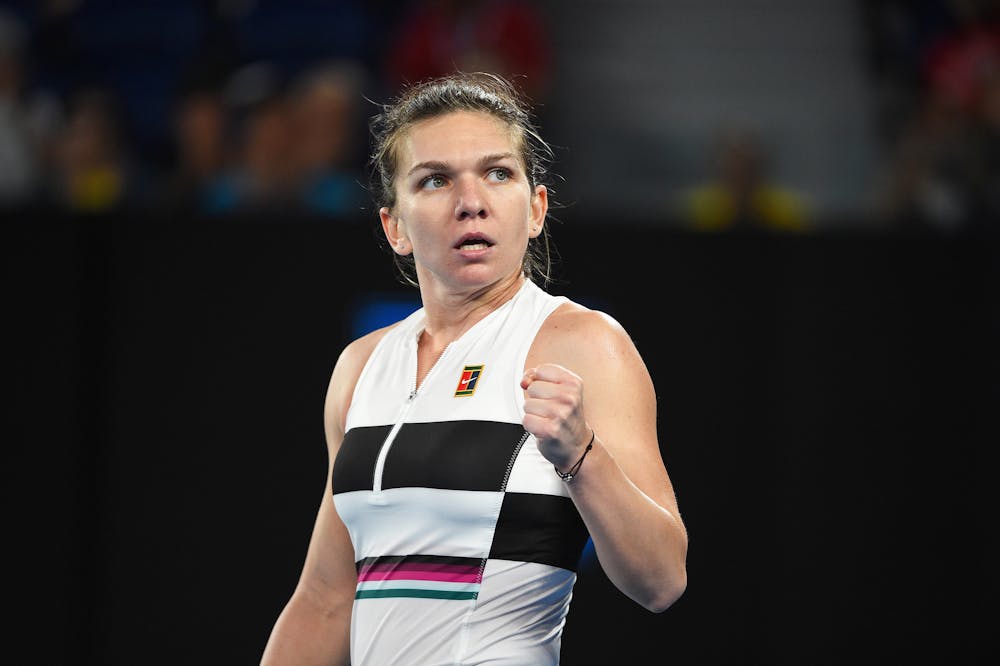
[
  {"x": 200, "y": 149},
  {"x": 253, "y": 144},
  {"x": 259, "y": 175},
  {"x": 324, "y": 150},
  {"x": 940, "y": 152},
  {"x": 927, "y": 183},
  {"x": 954, "y": 64},
  {"x": 741, "y": 193},
  {"x": 940, "y": 57},
  {"x": 437, "y": 37},
  {"x": 27, "y": 118},
  {"x": 963, "y": 66},
  {"x": 899, "y": 34},
  {"x": 91, "y": 170}
]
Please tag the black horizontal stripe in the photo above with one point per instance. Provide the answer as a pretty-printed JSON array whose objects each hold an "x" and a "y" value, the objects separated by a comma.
[
  {"x": 453, "y": 560},
  {"x": 454, "y": 455},
  {"x": 354, "y": 467},
  {"x": 450, "y": 455},
  {"x": 545, "y": 529}
]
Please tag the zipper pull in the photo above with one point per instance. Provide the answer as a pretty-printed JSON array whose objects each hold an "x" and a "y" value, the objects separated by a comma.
[{"x": 413, "y": 394}]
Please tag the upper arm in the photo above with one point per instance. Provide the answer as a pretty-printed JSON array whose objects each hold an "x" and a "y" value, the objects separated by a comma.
[
  {"x": 619, "y": 398},
  {"x": 329, "y": 570}
]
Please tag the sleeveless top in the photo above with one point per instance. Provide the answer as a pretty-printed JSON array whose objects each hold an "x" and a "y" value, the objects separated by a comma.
[{"x": 465, "y": 540}]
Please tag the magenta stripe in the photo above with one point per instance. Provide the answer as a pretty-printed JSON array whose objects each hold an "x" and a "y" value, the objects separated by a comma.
[{"x": 445, "y": 577}]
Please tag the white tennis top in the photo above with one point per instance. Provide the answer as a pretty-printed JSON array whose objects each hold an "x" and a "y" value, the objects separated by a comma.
[{"x": 465, "y": 540}]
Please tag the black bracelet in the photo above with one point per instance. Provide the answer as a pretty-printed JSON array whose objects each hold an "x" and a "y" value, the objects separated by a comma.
[{"x": 568, "y": 476}]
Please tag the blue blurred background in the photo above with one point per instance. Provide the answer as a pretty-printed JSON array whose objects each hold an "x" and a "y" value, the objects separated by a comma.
[
  {"x": 809, "y": 115},
  {"x": 792, "y": 205}
]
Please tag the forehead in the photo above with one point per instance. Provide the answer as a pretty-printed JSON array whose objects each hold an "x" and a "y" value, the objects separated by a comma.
[{"x": 454, "y": 135}]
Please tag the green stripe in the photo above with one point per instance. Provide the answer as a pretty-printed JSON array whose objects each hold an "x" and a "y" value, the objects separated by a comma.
[{"x": 424, "y": 594}]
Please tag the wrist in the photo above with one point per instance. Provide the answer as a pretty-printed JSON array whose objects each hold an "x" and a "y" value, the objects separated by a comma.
[{"x": 569, "y": 475}]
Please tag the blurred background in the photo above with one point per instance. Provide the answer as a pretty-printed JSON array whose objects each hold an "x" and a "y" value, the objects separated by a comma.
[{"x": 792, "y": 205}]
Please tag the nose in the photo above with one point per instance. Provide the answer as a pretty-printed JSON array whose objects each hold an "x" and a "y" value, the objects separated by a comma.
[{"x": 470, "y": 199}]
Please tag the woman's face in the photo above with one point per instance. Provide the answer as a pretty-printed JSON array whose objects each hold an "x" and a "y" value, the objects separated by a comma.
[{"x": 464, "y": 206}]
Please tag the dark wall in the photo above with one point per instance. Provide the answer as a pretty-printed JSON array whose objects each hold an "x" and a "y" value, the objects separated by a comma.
[{"x": 827, "y": 413}]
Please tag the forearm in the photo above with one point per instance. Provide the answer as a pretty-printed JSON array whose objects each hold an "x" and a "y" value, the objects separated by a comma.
[
  {"x": 641, "y": 545},
  {"x": 307, "y": 633}
]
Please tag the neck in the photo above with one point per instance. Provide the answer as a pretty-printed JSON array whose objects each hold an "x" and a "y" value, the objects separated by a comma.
[{"x": 448, "y": 316}]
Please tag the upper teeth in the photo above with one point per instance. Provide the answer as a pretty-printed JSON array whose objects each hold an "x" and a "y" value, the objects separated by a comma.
[{"x": 475, "y": 245}]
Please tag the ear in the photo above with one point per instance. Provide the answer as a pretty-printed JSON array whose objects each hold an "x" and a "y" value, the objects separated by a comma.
[
  {"x": 539, "y": 208},
  {"x": 393, "y": 230}
]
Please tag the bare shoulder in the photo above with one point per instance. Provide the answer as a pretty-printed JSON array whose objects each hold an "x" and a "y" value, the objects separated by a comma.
[
  {"x": 576, "y": 335},
  {"x": 354, "y": 356},
  {"x": 345, "y": 376}
]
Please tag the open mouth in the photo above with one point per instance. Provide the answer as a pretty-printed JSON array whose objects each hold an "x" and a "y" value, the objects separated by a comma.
[{"x": 473, "y": 242}]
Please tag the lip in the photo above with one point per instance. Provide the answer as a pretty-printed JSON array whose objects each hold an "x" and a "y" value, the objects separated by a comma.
[{"x": 473, "y": 237}]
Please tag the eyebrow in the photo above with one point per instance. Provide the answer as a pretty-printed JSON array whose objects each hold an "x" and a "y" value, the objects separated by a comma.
[{"x": 436, "y": 165}]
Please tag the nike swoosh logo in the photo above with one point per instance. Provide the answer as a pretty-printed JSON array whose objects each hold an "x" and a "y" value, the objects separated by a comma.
[{"x": 465, "y": 381}]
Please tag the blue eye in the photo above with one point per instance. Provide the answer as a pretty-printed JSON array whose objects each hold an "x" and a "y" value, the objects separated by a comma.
[
  {"x": 499, "y": 174},
  {"x": 433, "y": 182}
]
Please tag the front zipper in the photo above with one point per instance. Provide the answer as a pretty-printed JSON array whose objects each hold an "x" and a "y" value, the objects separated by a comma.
[{"x": 378, "y": 496}]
